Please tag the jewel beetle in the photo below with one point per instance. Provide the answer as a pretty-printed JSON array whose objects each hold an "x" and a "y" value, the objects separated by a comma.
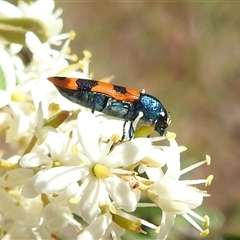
[{"x": 116, "y": 101}]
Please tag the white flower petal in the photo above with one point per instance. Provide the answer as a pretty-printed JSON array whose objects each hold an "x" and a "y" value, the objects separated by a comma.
[
  {"x": 110, "y": 127},
  {"x": 55, "y": 142},
  {"x": 16, "y": 177},
  {"x": 39, "y": 9},
  {"x": 166, "y": 225},
  {"x": 8, "y": 71},
  {"x": 14, "y": 49},
  {"x": 8, "y": 206},
  {"x": 153, "y": 173},
  {"x": 89, "y": 201},
  {"x": 97, "y": 229},
  {"x": 44, "y": 92},
  {"x": 19, "y": 232},
  {"x": 121, "y": 193},
  {"x": 54, "y": 216},
  {"x": 28, "y": 190},
  {"x": 35, "y": 160},
  {"x": 129, "y": 152},
  {"x": 155, "y": 158},
  {"x": 5, "y": 120},
  {"x": 9, "y": 10},
  {"x": 175, "y": 197},
  {"x": 173, "y": 166},
  {"x": 55, "y": 179},
  {"x": 21, "y": 121},
  {"x": 88, "y": 134},
  {"x": 37, "y": 48},
  {"x": 5, "y": 98}
]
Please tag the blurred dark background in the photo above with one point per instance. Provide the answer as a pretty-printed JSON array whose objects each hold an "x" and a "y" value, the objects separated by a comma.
[{"x": 187, "y": 54}]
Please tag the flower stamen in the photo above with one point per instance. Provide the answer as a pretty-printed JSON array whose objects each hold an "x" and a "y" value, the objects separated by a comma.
[
  {"x": 196, "y": 165},
  {"x": 204, "y": 233},
  {"x": 207, "y": 221},
  {"x": 209, "y": 180},
  {"x": 57, "y": 163}
]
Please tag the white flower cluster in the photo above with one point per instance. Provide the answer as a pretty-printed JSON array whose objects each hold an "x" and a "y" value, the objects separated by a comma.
[{"x": 63, "y": 169}]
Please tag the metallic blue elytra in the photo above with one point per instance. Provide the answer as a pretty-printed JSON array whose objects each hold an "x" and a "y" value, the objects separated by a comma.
[{"x": 116, "y": 101}]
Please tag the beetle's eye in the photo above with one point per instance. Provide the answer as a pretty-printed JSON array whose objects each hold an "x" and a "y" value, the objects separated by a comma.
[{"x": 162, "y": 122}]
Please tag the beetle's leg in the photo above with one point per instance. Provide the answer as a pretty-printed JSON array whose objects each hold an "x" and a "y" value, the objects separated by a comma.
[
  {"x": 131, "y": 131},
  {"x": 124, "y": 133},
  {"x": 99, "y": 102},
  {"x": 128, "y": 118},
  {"x": 94, "y": 103}
]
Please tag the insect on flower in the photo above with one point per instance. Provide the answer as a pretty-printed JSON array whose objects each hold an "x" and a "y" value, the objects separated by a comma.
[{"x": 121, "y": 102}]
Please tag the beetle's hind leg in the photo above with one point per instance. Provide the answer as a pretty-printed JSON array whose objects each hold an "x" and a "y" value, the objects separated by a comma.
[
  {"x": 130, "y": 131},
  {"x": 128, "y": 118}
]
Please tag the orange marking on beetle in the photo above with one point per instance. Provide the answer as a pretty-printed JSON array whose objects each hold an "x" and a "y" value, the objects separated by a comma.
[
  {"x": 133, "y": 92},
  {"x": 131, "y": 95},
  {"x": 69, "y": 83}
]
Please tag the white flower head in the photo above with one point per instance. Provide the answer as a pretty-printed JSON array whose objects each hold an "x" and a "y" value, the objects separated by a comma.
[
  {"x": 173, "y": 196},
  {"x": 99, "y": 169},
  {"x": 84, "y": 167}
]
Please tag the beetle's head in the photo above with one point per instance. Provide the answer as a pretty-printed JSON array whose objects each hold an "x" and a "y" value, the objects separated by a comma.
[{"x": 162, "y": 122}]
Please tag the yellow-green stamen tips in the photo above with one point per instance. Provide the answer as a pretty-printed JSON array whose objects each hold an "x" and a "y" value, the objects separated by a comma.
[
  {"x": 74, "y": 150},
  {"x": 74, "y": 200},
  {"x": 87, "y": 55},
  {"x": 57, "y": 163},
  {"x": 54, "y": 107},
  {"x": 14, "y": 30},
  {"x": 74, "y": 57},
  {"x": 209, "y": 180},
  {"x": 115, "y": 138},
  {"x": 101, "y": 171},
  {"x": 171, "y": 136},
  {"x": 208, "y": 160},
  {"x": 19, "y": 97},
  {"x": 112, "y": 209},
  {"x": 204, "y": 233},
  {"x": 72, "y": 35},
  {"x": 106, "y": 208},
  {"x": 45, "y": 199},
  {"x": 207, "y": 221}
]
